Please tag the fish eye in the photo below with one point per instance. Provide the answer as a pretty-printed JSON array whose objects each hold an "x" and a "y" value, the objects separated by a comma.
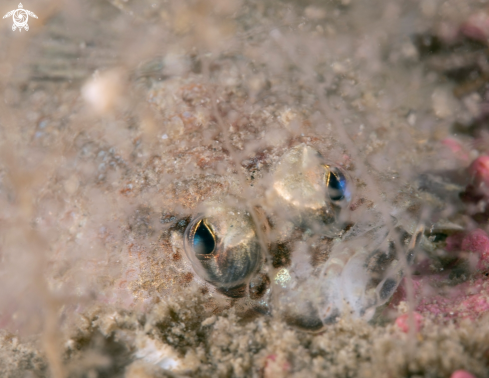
[
  {"x": 204, "y": 242},
  {"x": 224, "y": 250},
  {"x": 336, "y": 184},
  {"x": 310, "y": 192}
]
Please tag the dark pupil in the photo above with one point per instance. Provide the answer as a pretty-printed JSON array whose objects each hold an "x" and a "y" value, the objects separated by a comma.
[
  {"x": 438, "y": 237},
  {"x": 336, "y": 185},
  {"x": 204, "y": 243}
]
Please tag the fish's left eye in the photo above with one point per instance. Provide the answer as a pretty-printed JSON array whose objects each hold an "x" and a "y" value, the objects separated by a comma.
[
  {"x": 204, "y": 242},
  {"x": 336, "y": 184},
  {"x": 223, "y": 247}
]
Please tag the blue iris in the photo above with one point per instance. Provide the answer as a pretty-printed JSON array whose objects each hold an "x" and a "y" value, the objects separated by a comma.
[
  {"x": 337, "y": 189},
  {"x": 204, "y": 242}
]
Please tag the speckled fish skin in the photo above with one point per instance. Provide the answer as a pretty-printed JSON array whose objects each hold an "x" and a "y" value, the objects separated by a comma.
[
  {"x": 305, "y": 295},
  {"x": 347, "y": 281}
]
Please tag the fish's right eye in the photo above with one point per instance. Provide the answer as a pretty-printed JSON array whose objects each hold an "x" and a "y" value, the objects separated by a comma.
[{"x": 336, "y": 184}]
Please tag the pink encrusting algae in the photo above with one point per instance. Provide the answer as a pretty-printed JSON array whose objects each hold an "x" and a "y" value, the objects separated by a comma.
[
  {"x": 441, "y": 293},
  {"x": 478, "y": 188},
  {"x": 276, "y": 366},
  {"x": 477, "y": 26},
  {"x": 479, "y": 170},
  {"x": 435, "y": 295},
  {"x": 462, "y": 374},
  {"x": 469, "y": 299},
  {"x": 477, "y": 242},
  {"x": 472, "y": 245},
  {"x": 404, "y": 321},
  {"x": 456, "y": 148}
]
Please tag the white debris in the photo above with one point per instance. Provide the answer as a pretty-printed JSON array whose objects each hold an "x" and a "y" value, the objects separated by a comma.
[
  {"x": 103, "y": 91},
  {"x": 444, "y": 103},
  {"x": 157, "y": 353}
]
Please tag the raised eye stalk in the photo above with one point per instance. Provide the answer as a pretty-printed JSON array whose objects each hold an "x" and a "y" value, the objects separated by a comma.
[{"x": 310, "y": 192}]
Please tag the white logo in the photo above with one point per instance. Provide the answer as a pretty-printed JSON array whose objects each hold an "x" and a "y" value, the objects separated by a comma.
[{"x": 20, "y": 17}]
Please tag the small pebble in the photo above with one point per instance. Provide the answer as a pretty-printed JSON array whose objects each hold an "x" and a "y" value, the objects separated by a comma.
[
  {"x": 403, "y": 322},
  {"x": 461, "y": 374}
]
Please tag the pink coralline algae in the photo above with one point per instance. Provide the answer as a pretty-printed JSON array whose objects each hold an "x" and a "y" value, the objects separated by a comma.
[
  {"x": 276, "y": 366},
  {"x": 476, "y": 27},
  {"x": 478, "y": 189},
  {"x": 474, "y": 244},
  {"x": 477, "y": 242},
  {"x": 469, "y": 299},
  {"x": 456, "y": 148},
  {"x": 461, "y": 289},
  {"x": 404, "y": 322},
  {"x": 479, "y": 170},
  {"x": 461, "y": 374},
  {"x": 466, "y": 300}
]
